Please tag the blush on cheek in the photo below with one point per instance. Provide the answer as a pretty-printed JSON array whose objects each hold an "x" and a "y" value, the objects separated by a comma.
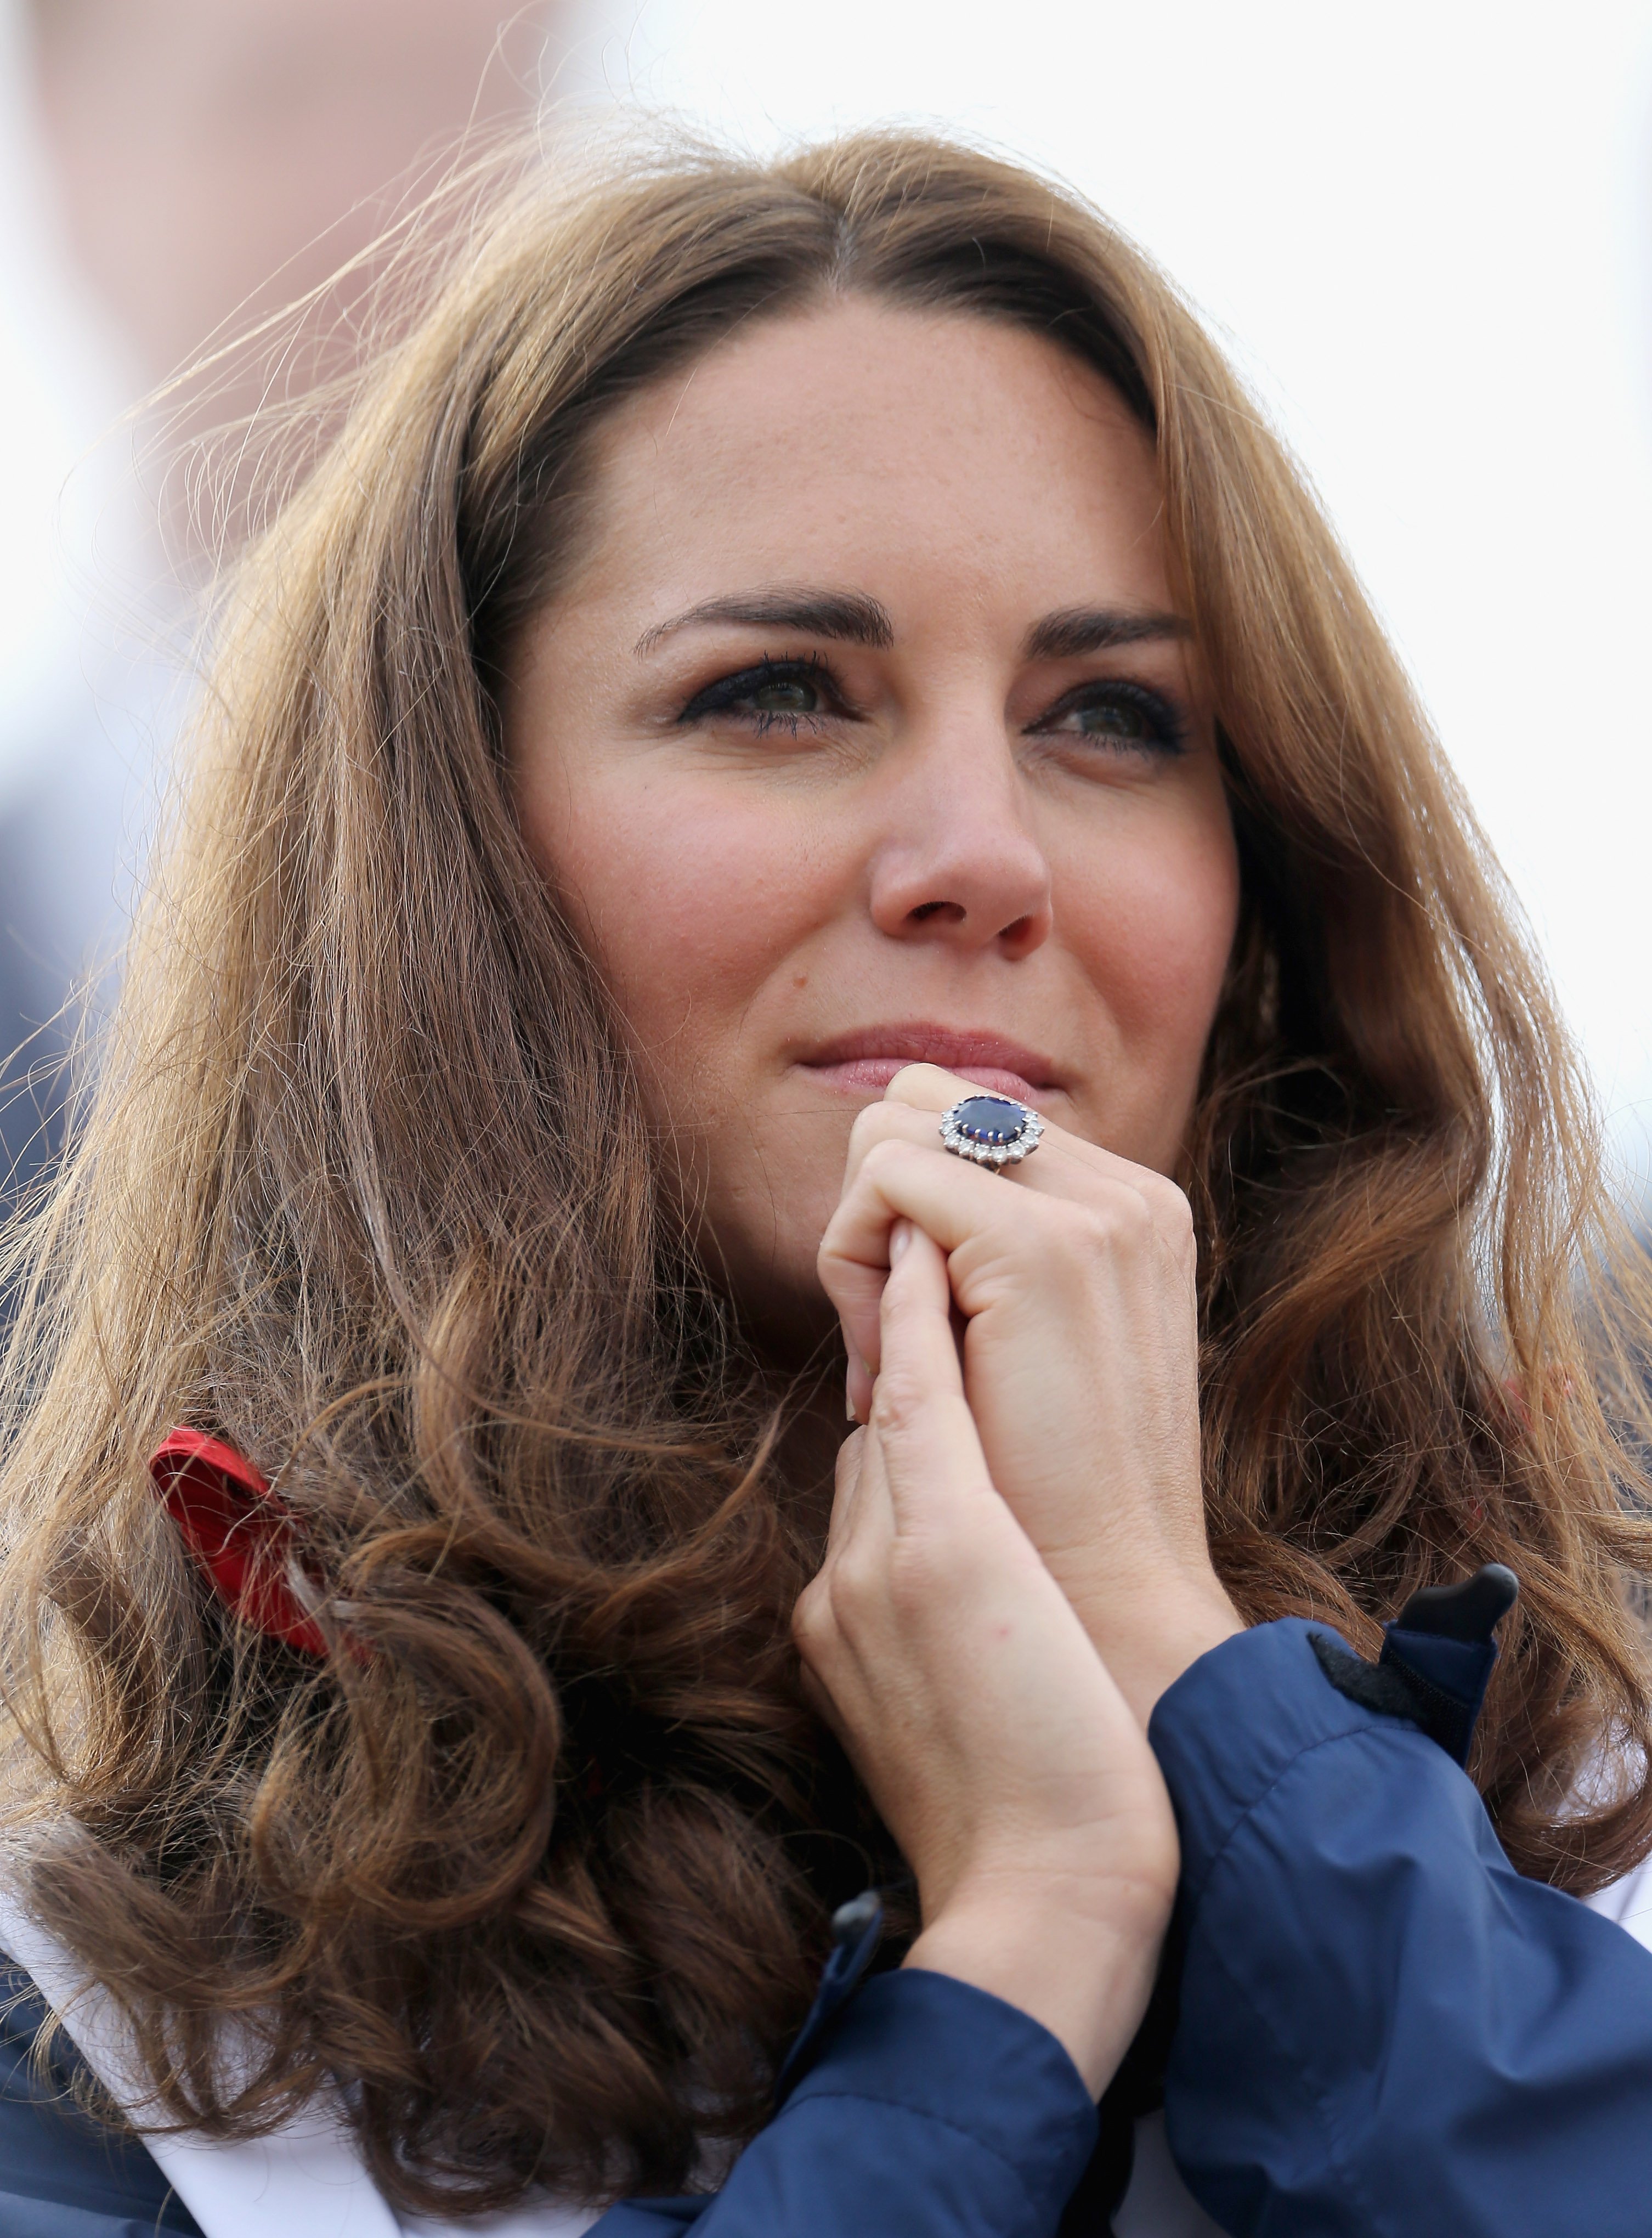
[
  {"x": 1156, "y": 942},
  {"x": 684, "y": 903},
  {"x": 1175, "y": 948}
]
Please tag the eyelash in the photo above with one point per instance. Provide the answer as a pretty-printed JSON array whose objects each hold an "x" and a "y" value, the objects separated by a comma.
[
  {"x": 723, "y": 697},
  {"x": 1165, "y": 724}
]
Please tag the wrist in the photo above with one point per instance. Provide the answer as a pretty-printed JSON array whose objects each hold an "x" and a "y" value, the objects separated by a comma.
[
  {"x": 1083, "y": 1970},
  {"x": 1148, "y": 1645}
]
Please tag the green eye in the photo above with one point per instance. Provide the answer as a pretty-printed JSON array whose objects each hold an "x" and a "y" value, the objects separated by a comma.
[
  {"x": 1113, "y": 719},
  {"x": 785, "y": 695},
  {"x": 1136, "y": 720}
]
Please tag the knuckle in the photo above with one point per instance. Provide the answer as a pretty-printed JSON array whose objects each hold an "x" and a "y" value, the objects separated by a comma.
[
  {"x": 1171, "y": 1211},
  {"x": 898, "y": 1401},
  {"x": 818, "y": 1619},
  {"x": 808, "y": 1631},
  {"x": 811, "y": 1611},
  {"x": 850, "y": 1586},
  {"x": 871, "y": 1125},
  {"x": 832, "y": 1266},
  {"x": 1135, "y": 1216},
  {"x": 886, "y": 1157},
  {"x": 1096, "y": 1231},
  {"x": 1120, "y": 1221}
]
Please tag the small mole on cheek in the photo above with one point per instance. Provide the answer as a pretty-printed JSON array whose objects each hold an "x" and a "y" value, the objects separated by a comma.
[{"x": 801, "y": 980}]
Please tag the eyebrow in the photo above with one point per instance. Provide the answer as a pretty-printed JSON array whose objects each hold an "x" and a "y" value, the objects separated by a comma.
[
  {"x": 845, "y": 616},
  {"x": 850, "y": 617},
  {"x": 1078, "y": 630}
]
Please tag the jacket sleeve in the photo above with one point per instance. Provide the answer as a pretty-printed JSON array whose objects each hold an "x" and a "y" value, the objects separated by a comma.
[
  {"x": 61, "y": 2175},
  {"x": 1383, "y": 2029},
  {"x": 933, "y": 2110}
]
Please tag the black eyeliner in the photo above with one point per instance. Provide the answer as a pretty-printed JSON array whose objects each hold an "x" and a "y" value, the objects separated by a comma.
[
  {"x": 729, "y": 690},
  {"x": 1169, "y": 725}
]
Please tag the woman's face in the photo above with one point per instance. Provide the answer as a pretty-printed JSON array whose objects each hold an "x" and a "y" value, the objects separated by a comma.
[{"x": 866, "y": 731}]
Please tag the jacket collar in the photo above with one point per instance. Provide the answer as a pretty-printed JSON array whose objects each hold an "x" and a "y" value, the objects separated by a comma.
[{"x": 307, "y": 2177}]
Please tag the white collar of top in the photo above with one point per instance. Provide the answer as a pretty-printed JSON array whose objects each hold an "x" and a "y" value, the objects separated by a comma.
[{"x": 307, "y": 2178}]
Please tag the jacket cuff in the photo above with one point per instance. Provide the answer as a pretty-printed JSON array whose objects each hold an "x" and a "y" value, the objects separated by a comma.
[
  {"x": 957, "y": 2056},
  {"x": 1236, "y": 1720}
]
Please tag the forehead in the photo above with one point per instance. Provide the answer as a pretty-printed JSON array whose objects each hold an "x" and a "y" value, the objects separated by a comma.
[{"x": 861, "y": 438}]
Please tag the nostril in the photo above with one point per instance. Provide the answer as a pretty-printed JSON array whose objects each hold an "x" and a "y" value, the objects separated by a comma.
[{"x": 925, "y": 911}]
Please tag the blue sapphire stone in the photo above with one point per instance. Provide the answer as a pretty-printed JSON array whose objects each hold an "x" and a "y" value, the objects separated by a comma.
[{"x": 991, "y": 1119}]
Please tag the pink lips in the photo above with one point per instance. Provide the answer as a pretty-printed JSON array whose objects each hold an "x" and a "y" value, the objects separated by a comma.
[{"x": 865, "y": 1062}]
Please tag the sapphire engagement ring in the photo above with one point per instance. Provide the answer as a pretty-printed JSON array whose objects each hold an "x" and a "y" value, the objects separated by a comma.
[{"x": 994, "y": 1130}]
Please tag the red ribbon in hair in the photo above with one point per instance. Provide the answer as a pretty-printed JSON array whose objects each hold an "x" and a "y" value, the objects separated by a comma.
[{"x": 242, "y": 1537}]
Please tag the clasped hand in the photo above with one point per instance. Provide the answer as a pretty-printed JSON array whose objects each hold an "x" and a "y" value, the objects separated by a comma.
[{"x": 1017, "y": 1563}]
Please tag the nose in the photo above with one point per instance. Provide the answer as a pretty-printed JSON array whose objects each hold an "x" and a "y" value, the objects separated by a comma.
[{"x": 957, "y": 863}]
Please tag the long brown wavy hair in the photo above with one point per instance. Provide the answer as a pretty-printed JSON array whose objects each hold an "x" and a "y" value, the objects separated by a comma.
[{"x": 535, "y": 1864}]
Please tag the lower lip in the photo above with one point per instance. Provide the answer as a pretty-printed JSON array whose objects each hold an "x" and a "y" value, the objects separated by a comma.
[{"x": 871, "y": 1076}]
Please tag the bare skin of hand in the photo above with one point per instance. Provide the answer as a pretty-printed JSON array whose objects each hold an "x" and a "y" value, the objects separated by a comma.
[
  {"x": 988, "y": 1732},
  {"x": 1074, "y": 1274}
]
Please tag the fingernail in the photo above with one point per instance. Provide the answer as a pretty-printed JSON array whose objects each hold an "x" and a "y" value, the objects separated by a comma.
[
  {"x": 900, "y": 1236},
  {"x": 849, "y": 1408}
]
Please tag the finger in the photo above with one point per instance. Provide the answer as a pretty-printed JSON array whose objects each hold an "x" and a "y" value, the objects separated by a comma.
[
  {"x": 928, "y": 1087},
  {"x": 853, "y": 1261},
  {"x": 860, "y": 1515},
  {"x": 1065, "y": 1163},
  {"x": 851, "y": 1459},
  {"x": 857, "y": 1550},
  {"x": 1071, "y": 1170},
  {"x": 857, "y": 1383},
  {"x": 1062, "y": 1163},
  {"x": 858, "y": 1295},
  {"x": 917, "y": 1316},
  {"x": 1065, "y": 1166},
  {"x": 958, "y": 1203},
  {"x": 949, "y": 1198},
  {"x": 911, "y": 1109},
  {"x": 930, "y": 1454}
]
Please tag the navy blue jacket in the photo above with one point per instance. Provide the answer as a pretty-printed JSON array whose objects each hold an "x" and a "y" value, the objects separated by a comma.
[
  {"x": 61, "y": 2175},
  {"x": 1383, "y": 2030}
]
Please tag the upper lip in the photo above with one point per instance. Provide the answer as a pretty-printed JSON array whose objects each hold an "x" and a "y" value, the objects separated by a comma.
[{"x": 948, "y": 1046}]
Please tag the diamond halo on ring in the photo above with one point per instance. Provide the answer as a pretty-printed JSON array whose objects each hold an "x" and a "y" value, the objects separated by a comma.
[{"x": 995, "y": 1131}]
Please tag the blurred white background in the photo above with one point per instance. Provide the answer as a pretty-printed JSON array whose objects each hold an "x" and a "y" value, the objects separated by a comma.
[{"x": 1424, "y": 230}]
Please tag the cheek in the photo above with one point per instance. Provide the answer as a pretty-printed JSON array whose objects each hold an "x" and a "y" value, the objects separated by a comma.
[
  {"x": 1152, "y": 923},
  {"x": 687, "y": 900}
]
